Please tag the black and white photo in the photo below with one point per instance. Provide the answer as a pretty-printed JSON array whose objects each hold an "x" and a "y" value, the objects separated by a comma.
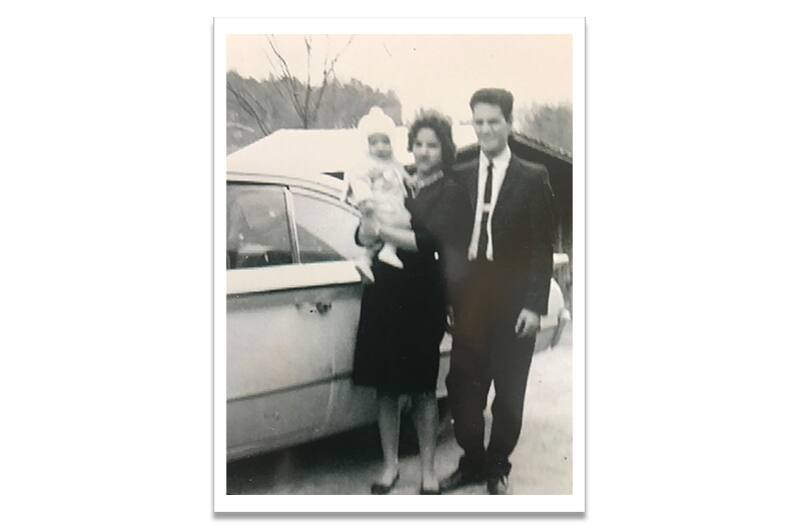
[{"x": 399, "y": 305}]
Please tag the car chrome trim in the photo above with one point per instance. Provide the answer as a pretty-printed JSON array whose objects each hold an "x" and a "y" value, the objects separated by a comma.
[
  {"x": 328, "y": 185},
  {"x": 328, "y": 199},
  {"x": 295, "y": 387},
  {"x": 289, "y": 200},
  {"x": 291, "y": 276}
]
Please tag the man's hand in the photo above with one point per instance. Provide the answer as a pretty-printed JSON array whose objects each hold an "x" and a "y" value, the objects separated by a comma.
[{"x": 527, "y": 324}]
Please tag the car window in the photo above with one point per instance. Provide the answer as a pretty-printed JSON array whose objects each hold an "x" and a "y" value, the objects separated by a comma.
[
  {"x": 325, "y": 231},
  {"x": 258, "y": 227}
]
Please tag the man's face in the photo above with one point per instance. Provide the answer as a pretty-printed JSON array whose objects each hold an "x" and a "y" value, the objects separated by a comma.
[{"x": 491, "y": 128}]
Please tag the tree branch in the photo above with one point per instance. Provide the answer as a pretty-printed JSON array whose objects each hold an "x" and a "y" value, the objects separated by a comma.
[
  {"x": 328, "y": 72},
  {"x": 247, "y": 107},
  {"x": 307, "y": 104},
  {"x": 287, "y": 77},
  {"x": 307, "y": 40}
]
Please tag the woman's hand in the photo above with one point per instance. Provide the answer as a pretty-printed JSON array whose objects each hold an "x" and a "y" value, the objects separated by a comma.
[
  {"x": 369, "y": 230},
  {"x": 367, "y": 207}
]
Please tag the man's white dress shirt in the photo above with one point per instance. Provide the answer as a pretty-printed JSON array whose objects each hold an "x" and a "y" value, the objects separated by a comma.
[{"x": 500, "y": 166}]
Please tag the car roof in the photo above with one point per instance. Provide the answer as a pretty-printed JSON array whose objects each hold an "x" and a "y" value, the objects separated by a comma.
[{"x": 320, "y": 183}]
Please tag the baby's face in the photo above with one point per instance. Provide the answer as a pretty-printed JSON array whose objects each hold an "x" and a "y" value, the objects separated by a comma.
[{"x": 380, "y": 146}]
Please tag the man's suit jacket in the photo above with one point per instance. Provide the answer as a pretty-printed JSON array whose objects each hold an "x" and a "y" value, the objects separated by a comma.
[{"x": 522, "y": 231}]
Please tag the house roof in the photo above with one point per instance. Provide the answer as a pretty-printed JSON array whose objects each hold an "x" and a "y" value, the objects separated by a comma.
[{"x": 314, "y": 151}]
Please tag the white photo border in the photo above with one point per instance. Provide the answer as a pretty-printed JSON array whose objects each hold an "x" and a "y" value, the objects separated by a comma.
[{"x": 574, "y": 502}]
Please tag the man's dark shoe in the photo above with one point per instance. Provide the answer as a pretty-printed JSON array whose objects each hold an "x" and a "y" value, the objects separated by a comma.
[
  {"x": 461, "y": 478},
  {"x": 498, "y": 485}
]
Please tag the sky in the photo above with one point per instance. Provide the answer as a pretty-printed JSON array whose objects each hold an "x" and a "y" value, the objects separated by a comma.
[{"x": 429, "y": 71}]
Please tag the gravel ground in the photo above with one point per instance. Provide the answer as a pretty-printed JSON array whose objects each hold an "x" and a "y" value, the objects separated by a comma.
[{"x": 347, "y": 463}]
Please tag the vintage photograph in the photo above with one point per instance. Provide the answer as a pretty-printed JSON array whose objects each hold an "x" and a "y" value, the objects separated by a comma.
[{"x": 399, "y": 304}]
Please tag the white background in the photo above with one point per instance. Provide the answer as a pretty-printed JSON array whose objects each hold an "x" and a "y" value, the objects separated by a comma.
[{"x": 692, "y": 358}]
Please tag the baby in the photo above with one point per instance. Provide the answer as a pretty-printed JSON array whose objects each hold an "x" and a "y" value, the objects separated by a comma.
[{"x": 376, "y": 186}]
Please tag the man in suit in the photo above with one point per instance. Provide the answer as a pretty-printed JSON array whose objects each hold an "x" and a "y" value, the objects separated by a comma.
[{"x": 501, "y": 294}]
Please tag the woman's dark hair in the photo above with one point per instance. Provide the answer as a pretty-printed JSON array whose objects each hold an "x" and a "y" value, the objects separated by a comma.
[{"x": 441, "y": 126}]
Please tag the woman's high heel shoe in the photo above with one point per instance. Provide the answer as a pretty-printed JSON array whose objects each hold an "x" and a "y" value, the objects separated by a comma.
[{"x": 380, "y": 488}]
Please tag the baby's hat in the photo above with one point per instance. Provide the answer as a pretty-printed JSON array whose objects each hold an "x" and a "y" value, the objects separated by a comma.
[{"x": 376, "y": 122}]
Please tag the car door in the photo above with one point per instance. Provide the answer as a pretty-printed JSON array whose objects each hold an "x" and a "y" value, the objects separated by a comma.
[
  {"x": 276, "y": 381},
  {"x": 291, "y": 300},
  {"x": 326, "y": 239}
]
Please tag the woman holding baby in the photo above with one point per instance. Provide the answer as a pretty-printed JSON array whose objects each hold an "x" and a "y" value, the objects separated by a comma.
[{"x": 403, "y": 311}]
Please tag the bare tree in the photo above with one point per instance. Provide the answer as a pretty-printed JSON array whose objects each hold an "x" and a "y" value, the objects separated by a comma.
[
  {"x": 304, "y": 98},
  {"x": 252, "y": 106},
  {"x": 299, "y": 90}
]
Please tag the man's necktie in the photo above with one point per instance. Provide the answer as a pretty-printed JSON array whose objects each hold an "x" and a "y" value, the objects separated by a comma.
[{"x": 483, "y": 237}]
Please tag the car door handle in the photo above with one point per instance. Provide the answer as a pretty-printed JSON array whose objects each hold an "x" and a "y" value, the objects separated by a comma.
[
  {"x": 320, "y": 307},
  {"x": 324, "y": 306}
]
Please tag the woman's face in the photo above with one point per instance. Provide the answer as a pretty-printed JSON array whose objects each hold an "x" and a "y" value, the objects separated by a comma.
[{"x": 427, "y": 151}]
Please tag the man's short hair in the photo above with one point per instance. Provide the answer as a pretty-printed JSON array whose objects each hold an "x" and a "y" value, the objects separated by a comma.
[{"x": 494, "y": 96}]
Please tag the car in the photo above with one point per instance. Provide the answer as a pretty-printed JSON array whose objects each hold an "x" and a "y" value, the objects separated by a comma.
[{"x": 293, "y": 306}]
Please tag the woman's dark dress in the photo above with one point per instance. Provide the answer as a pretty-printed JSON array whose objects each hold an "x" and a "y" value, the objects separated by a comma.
[{"x": 403, "y": 313}]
